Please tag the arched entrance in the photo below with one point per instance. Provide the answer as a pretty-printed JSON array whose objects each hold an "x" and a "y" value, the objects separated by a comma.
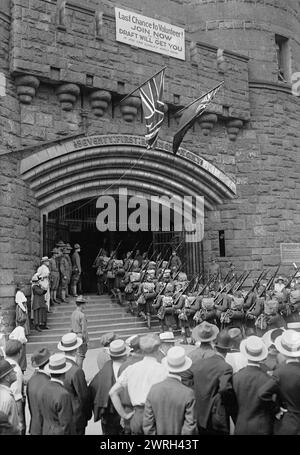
[{"x": 79, "y": 171}]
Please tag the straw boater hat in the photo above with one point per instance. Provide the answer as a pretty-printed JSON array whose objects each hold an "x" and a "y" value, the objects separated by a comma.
[
  {"x": 69, "y": 342},
  {"x": 118, "y": 348},
  {"x": 205, "y": 332},
  {"x": 254, "y": 349},
  {"x": 149, "y": 343},
  {"x": 288, "y": 343},
  {"x": 40, "y": 357},
  {"x": 270, "y": 336},
  {"x": 45, "y": 259},
  {"x": 35, "y": 278},
  {"x": 167, "y": 337},
  {"x": 176, "y": 360},
  {"x": 5, "y": 368},
  {"x": 57, "y": 364},
  {"x": 80, "y": 300},
  {"x": 294, "y": 326}
]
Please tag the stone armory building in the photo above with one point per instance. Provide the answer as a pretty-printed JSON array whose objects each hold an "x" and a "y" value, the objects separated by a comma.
[{"x": 64, "y": 137}]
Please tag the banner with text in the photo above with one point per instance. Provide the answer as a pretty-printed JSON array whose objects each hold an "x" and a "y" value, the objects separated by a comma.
[{"x": 150, "y": 34}]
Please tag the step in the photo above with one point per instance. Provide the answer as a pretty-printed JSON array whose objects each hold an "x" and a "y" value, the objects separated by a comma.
[
  {"x": 54, "y": 334},
  {"x": 94, "y": 341},
  {"x": 91, "y": 320}
]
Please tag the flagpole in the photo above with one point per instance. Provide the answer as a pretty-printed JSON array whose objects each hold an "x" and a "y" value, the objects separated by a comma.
[
  {"x": 202, "y": 96},
  {"x": 141, "y": 85}
]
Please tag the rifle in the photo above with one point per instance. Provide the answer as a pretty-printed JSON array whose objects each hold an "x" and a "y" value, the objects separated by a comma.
[
  {"x": 291, "y": 279},
  {"x": 241, "y": 281},
  {"x": 232, "y": 282},
  {"x": 205, "y": 286},
  {"x": 260, "y": 277},
  {"x": 228, "y": 273},
  {"x": 99, "y": 254},
  {"x": 112, "y": 255},
  {"x": 178, "y": 246},
  {"x": 183, "y": 290},
  {"x": 270, "y": 282}
]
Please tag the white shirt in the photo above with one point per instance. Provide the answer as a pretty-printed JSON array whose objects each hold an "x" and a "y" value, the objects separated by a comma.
[
  {"x": 140, "y": 377},
  {"x": 18, "y": 334},
  {"x": 237, "y": 360},
  {"x": 20, "y": 299},
  {"x": 17, "y": 386},
  {"x": 8, "y": 406},
  {"x": 116, "y": 367}
]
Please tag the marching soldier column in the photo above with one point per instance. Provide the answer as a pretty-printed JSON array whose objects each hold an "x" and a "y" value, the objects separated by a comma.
[{"x": 157, "y": 287}]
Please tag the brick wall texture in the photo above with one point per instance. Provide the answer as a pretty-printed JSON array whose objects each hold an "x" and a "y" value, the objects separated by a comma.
[{"x": 263, "y": 161}]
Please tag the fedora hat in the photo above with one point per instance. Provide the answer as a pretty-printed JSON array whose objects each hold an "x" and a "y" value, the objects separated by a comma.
[
  {"x": 5, "y": 368},
  {"x": 60, "y": 244},
  {"x": 76, "y": 246},
  {"x": 176, "y": 360},
  {"x": 205, "y": 332},
  {"x": 69, "y": 342},
  {"x": 55, "y": 250},
  {"x": 254, "y": 348},
  {"x": 57, "y": 364},
  {"x": 149, "y": 343},
  {"x": 80, "y": 299},
  {"x": 68, "y": 246},
  {"x": 40, "y": 357},
  {"x": 118, "y": 348},
  {"x": 288, "y": 343},
  {"x": 223, "y": 341},
  {"x": 167, "y": 337}
]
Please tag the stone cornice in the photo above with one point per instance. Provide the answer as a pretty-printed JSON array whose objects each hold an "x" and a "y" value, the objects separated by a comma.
[
  {"x": 214, "y": 49},
  {"x": 268, "y": 85}
]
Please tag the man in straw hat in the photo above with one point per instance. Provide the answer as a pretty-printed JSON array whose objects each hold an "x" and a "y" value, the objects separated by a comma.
[
  {"x": 44, "y": 273},
  {"x": 79, "y": 326},
  {"x": 285, "y": 384},
  {"x": 212, "y": 377},
  {"x": 204, "y": 334},
  {"x": 55, "y": 401},
  {"x": 100, "y": 386},
  {"x": 7, "y": 402},
  {"x": 34, "y": 389},
  {"x": 251, "y": 416},
  {"x": 75, "y": 382},
  {"x": 139, "y": 378},
  {"x": 169, "y": 408}
]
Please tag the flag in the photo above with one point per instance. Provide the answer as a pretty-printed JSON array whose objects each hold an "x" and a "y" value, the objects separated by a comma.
[
  {"x": 153, "y": 107},
  {"x": 191, "y": 114}
]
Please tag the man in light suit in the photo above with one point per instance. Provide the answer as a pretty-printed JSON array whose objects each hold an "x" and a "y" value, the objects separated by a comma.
[
  {"x": 169, "y": 408},
  {"x": 35, "y": 385}
]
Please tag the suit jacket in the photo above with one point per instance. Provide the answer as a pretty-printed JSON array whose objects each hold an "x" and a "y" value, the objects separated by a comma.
[
  {"x": 34, "y": 389},
  {"x": 169, "y": 409},
  {"x": 252, "y": 416},
  {"x": 285, "y": 383},
  {"x": 212, "y": 376},
  {"x": 76, "y": 385},
  {"x": 99, "y": 389},
  {"x": 56, "y": 410}
]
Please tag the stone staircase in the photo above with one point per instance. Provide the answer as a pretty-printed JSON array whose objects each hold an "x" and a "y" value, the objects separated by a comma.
[{"x": 103, "y": 315}]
